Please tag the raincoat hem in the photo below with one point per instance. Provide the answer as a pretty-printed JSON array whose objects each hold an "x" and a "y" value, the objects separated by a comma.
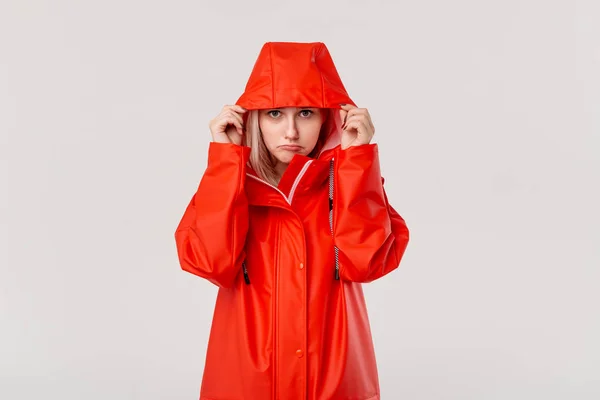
[{"x": 376, "y": 397}]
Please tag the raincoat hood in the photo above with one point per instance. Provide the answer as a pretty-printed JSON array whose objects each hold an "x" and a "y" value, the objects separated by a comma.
[{"x": 293, "y": 74}]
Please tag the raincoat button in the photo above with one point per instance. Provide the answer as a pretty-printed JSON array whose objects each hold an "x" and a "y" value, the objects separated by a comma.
[
  {"x": 301, "y": 265},
  {"x": 299, "y": 353}
]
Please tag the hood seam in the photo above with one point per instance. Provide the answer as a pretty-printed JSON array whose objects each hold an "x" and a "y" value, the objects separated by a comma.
[
  {"x": 272, "y": 77},
  {"x": 321, "y": 76}
]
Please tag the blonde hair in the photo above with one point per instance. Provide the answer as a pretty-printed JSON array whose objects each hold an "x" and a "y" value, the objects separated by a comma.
[{"x": 261, "y": 160}]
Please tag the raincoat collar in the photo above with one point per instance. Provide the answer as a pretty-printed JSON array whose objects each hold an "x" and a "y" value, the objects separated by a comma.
[{"x": 302, "y": 174}]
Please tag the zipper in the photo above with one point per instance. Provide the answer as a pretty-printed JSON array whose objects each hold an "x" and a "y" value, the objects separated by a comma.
[
  {"x": 335, "y": 248},
  {"x": 300, "y": 174}
]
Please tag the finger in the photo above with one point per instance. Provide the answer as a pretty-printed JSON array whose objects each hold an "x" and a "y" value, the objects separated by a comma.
[
  {"x": 351, "y": 124},
  {"x": 356, "y": 111},
  {"x": 361, "y": 128},
  {"x": 345, "y": 110},
  {"x": 235, "y": 107},
  {"x": 235, "y": 122},
  {"x": 343, "y": 116},
  {"x": 364, "y": 129},
  {"x": 237, "y": 116},
  {"x": 352, "y": 118},
  {"x": 236, "y": 137},
  {"x": 231, "y": 118},
  {"x": 238, "y": 108},
  {"x": 359, "y": 111},
  {"x": 369, "y": 119}
]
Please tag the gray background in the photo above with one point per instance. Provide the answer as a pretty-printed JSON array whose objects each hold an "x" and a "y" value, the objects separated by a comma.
[{"x": 488, "y": 118}]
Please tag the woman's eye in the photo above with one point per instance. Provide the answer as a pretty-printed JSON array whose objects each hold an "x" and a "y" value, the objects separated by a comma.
[
  {"x": 272, "y": 112},
  {"x": 308, "y": 113}
]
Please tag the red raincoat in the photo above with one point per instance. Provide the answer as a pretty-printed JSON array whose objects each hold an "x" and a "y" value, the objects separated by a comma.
[{"x": 293, "y": 331}]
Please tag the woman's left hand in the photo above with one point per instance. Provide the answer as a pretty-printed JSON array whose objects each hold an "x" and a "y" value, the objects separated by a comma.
[{"x": 358, "y": 128}]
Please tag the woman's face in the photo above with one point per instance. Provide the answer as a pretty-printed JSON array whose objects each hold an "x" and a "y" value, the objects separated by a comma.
[{"x": 290, "y": 130}]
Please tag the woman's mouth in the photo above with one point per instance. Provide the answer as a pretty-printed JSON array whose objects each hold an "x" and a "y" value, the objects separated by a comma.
[{"x": 291, "y": 147}]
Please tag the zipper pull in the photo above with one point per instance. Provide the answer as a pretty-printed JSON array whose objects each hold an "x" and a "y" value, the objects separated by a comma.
[
  {"x": 337, "y": 262},
  {"x": 245, "y": 270}
]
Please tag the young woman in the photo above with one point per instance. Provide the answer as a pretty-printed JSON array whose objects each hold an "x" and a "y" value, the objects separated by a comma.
[{"x": 289, "y": 219}]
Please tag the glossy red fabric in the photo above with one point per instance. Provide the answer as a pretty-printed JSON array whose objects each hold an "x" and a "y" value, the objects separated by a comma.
[
  {"x": 294, "y": 75},
  {"x": 294, "y": 332}
]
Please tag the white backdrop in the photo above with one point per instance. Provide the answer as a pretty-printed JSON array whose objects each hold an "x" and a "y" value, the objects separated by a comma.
[{"x": 488, "y": 119}]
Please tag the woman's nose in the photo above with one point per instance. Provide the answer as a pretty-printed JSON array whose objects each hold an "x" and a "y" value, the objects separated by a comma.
[{"x": 291, "y": 131}]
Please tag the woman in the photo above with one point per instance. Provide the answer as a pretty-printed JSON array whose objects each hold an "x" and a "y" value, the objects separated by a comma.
[{"x": 289, "y": 219}]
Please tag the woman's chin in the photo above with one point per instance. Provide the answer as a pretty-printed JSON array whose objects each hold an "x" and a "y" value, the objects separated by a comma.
[
  {"x": 284, "y": 160},
  {"x": 285, "y": 157}
]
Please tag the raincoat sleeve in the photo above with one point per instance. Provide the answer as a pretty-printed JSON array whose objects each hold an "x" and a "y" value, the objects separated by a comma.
[
  {"x": 370, "y": 235},
  {"x": 211, "y": 235}
]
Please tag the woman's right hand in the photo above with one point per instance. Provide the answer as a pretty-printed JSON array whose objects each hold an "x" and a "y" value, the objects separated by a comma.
[{"x": 228, "y": 126}]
